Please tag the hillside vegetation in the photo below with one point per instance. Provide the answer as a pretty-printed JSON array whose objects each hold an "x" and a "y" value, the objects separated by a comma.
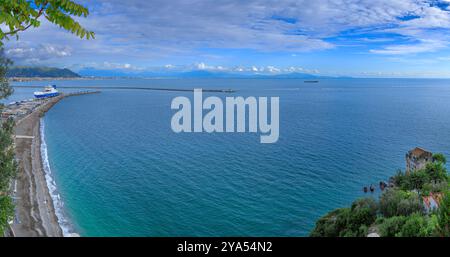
[
  {"x": 44, "y": 72},
  {"x": 399, "y": 211}
]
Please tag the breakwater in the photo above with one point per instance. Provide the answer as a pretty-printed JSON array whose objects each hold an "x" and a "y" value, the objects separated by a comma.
[{"x": 136, "y": 88}]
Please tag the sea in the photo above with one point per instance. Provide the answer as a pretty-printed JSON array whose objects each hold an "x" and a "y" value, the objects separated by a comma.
[{"x": 118, "y": 169}]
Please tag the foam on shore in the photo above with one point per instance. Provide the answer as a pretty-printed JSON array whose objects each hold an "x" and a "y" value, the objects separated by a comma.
[{"x": 58, "y": 204}]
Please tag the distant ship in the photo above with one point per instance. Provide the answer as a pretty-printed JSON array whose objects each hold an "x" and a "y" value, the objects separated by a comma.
[
  {"x": 49, "y": 91},
  {"x": 311, "y": 81}
]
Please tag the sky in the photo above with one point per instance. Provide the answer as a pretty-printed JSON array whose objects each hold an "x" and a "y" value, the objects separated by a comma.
[{"x": 361, "y": 38}]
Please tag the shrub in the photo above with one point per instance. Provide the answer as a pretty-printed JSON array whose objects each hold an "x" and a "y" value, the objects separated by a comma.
[
  {"x": 390, "y": 227},
  {"x": 6, "y": 212},
  {"x": 347, "y": 222},
  {"x": 436, "y": 171},
  {"x": 444, "y": 215},
  {"x": 362, "y": 213},
  {"x": 332, "y": 224},
  {"x": 438, "y": 157},
  {"x": 415, "y": 226},
  {"x": 394, "y": 202}
]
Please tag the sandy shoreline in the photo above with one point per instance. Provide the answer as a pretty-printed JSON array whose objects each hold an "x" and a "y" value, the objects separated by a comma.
[{"x": 35, "y": 213}]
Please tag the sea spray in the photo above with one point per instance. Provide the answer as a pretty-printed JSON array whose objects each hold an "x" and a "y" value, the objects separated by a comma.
[{"x": 58, "y": 204}]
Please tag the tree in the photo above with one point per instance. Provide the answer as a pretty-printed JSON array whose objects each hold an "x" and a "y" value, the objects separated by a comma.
[
  {"x": 332, "y": 224},
  {"x": 19, "y": 15},
  {"x": 394, "y": 202},
  {"x": 347, "y": 222},
  {"x": 362, "y": 213},
  {"x": 444, "y": 215},
  {"x": 439, "y": 157},
  {"x": 415, "y": 226},
  {"x": 391, "y": 227},
  {"x": 436, "y": 171},
  {"x": 8, "y": 164},
  {"x": 417, "y": 179},
  {"x": 6, "y": 212}
]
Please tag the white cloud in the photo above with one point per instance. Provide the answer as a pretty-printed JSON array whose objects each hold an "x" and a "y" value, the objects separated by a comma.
[
  {"x": 24, "y": 52},
  {"x": 424, "y": 46},
  {"x": 143, "y": 31}
]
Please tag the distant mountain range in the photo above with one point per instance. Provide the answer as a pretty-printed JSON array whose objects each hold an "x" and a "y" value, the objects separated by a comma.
[
  {"x": 39, "y": 72},
  {"x": 88, "y": 72},
  {"x": 50, "y": 72}
]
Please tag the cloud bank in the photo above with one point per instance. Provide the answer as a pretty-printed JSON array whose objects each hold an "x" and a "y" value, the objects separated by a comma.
[{"x": 139, "y": 33}]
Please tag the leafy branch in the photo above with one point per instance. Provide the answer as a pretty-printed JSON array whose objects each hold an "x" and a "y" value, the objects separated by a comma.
[{"x": 20, "y": 15}]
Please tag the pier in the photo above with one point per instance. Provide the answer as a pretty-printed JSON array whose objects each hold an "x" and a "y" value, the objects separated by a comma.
[
  {"x": 20, "y": 109},
  {"x": 137, "y": 88}
]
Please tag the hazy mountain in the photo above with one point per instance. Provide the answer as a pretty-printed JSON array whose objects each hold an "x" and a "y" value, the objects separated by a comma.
[
  {"x": 48, "y": 72},
  {"x": 190, "y": 74}
]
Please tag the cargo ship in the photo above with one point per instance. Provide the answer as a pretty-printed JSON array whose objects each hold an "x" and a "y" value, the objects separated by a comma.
[{"x": 49, "y": 91}]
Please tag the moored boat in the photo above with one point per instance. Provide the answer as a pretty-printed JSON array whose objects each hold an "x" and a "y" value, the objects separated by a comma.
[{"x": 49, "y": 91}]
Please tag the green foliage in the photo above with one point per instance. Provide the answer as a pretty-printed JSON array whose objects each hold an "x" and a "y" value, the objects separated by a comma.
[
  {"x": 390, "y": 227},
  {"x": 6, "y": 212},
  {"x": 434, "y": 187},
  {"x": 22, "y": 71},
  {"x": 415, "y": 226},
  {"x": 444, "y": 215},
  {"x": 19, "y": 15},
  {"x": 399, "y": 211},
  {"x": 347, "y": 222},
  {"x": 8, "y": 164},
  {"x": 436, "y": 171},
  {"x": 394, "y": 202},
  {"x": 362, "y": 212},
  {"x": 416, "y": 179},
  {"x": 331, "y": 224},
  {"x": 433, "y": 173},
  {"x": 438, "y": 157},
  {"x": 5, "y": 89}
]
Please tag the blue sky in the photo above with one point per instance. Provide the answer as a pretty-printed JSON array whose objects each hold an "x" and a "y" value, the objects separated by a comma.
[{"x": 362, "y": 38}]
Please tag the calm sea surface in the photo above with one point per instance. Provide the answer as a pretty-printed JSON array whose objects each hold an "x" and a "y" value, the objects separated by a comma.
[{"x": 121, "y": 171}]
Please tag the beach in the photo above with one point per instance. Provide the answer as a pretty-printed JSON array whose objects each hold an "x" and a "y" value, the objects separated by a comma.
[{"x": 35, "y": 212}]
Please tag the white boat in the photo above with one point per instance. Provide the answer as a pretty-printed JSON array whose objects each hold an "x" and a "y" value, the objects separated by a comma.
[{"x": 49, "y": 91}]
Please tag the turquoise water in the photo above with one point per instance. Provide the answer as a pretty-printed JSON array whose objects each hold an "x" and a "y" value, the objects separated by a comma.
[{"x": 121, "y": 171}]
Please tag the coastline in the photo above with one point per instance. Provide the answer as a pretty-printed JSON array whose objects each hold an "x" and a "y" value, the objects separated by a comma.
[{"x": 35, "y": 213}]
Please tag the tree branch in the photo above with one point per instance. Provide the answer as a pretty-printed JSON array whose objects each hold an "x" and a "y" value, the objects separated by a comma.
[{"x": 41, "y": 11}]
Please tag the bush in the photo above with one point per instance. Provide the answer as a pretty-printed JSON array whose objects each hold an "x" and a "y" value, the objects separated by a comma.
[
  {"x": 353, "y": 222},
  {"x": 434, "y": 187},
  {"x": 415, "y": 226},
  {"x": 436, "y": 171},
  {"x": 438, "y": 157},
  {"x": 331, "y": 224},
  {"x": 398, "y": 178},
  {"x": 362, "y": 213},
  {"x": 390, "y": 227},
  {"x": 444, "y": 215},
  {"x": 416, "y": 179},
  {"x": 6, "y": 212},
  {"x": 394, "y": 202}
]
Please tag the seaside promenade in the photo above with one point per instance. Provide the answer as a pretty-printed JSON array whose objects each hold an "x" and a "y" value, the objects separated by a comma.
[{"x": 34, "y": 210}]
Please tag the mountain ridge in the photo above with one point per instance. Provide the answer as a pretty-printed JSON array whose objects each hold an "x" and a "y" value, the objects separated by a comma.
[{"x": 40, "y": 72}]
